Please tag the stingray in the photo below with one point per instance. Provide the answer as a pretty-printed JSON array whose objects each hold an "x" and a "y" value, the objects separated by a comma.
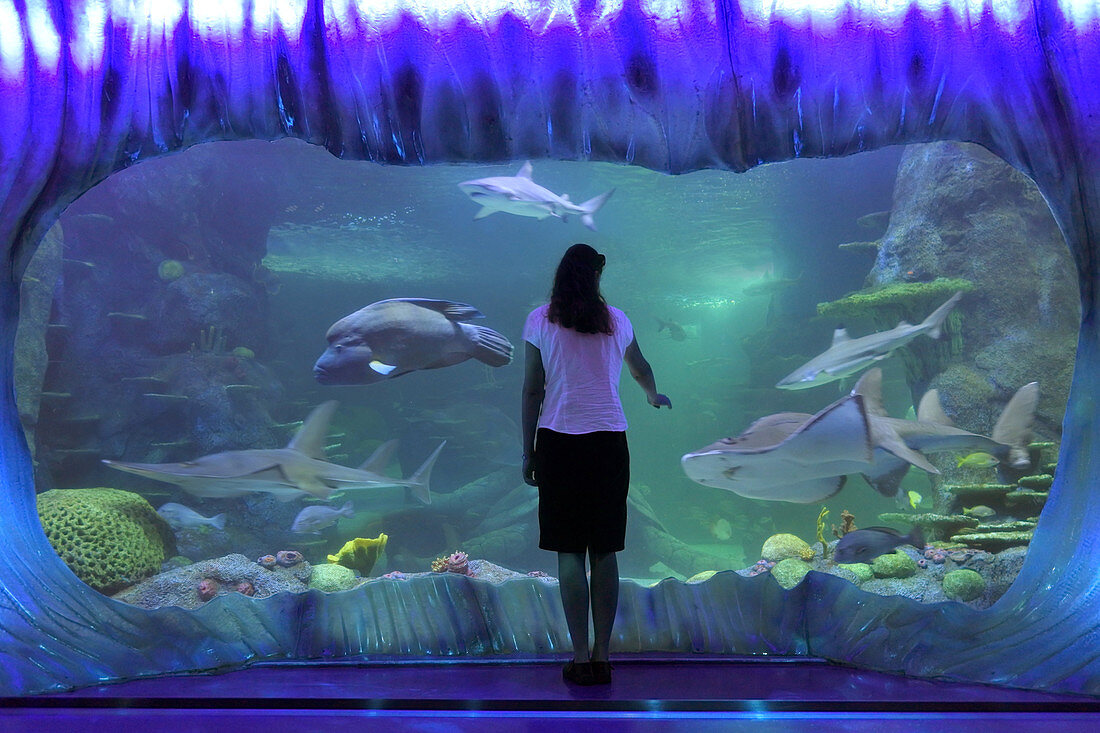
[
  {"x": 804, "y": 458},
  {"x": 298, "y": 470}
]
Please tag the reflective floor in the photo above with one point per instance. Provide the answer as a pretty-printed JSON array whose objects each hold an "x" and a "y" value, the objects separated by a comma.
[{"x": 646, "y": 694}]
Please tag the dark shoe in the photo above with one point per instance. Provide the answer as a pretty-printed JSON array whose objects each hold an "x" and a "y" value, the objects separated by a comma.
[
  {"x": 578, "y": 673},
  {"x": 601, "y": 673}
]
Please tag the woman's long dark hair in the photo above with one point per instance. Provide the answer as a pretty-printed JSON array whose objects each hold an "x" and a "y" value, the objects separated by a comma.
[{"x": 576, "y": 301}]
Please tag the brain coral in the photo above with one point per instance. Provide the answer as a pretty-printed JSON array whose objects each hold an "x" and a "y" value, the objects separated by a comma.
[{"x": 110, "y": 538}]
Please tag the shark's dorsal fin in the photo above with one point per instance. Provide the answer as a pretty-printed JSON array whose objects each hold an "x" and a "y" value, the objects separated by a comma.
[
  {"x": 1013, "y": 427},
  {"x": 840, "y": 335},
  {"x": 310, "y": 438},
  {"x": 380, "y": 458},
  {"x": 930, "y": 409},
  {"x": 525, "y": 171},
  {"x": 870, "y": 386}
]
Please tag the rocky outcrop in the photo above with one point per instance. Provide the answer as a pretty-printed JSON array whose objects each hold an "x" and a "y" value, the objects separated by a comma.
[{"x": 961, "y": 212}]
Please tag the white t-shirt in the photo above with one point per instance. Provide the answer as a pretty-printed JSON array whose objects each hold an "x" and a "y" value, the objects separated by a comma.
[{"x": 582, "y": 373}]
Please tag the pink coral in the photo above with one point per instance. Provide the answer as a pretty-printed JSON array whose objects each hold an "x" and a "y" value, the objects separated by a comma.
[
  {"x": 288, "y": 558},
  {"x": 245, "y": 587},
  {"x": 208, "y": 588},
  {"x": 457, "y": 562}
]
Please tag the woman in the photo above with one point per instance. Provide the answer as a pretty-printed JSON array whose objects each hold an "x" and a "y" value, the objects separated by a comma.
[{"x": 576, "y": 346}]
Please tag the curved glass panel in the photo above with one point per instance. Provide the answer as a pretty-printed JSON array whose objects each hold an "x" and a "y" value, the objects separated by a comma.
[{"x": 878, "y": 321}]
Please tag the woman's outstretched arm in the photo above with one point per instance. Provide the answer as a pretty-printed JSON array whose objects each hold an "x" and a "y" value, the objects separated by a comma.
[{"x": 643, "y": 375}]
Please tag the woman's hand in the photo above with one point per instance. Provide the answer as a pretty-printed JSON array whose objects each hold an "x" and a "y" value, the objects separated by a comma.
[
  {"x": 529, "y": 471},
  {"x": 659, "y": 401}
]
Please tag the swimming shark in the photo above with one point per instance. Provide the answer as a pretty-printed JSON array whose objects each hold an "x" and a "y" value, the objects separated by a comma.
[
  {"x": 847, "y": 356},
  {"x": 520, "y": 195},
  {"x": 300, "y": 469},
  {"x": 804, "y": 458}
]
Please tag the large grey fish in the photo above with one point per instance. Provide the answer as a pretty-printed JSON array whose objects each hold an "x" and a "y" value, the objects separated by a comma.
[
  {"x": 180, "y": 517},
  {"x": 393, "y": 337},
  {"x": 804, "y": 458},
  {"x": 847, "y": 356},
  {"x": 864, "y": 545},
  {"x": 520, "y": 195},
  {"x": 298, "y": 470},
  {"x": 315, "y": 518}
]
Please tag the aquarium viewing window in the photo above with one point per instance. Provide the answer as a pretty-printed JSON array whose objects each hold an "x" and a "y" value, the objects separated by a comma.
[{"x": 194, "y": 193}]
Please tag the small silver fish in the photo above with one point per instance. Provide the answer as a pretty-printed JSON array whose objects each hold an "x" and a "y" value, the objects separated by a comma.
[
  {"x": 316, "y": 518},
  {"x": 864, "y": 545},
  {"x": 180, "y": 517}
]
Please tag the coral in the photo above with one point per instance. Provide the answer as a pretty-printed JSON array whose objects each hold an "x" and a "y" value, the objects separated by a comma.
[
  {"x": 1040, "y": 481},
  {"x": 790, "y": 572},
  {"x": 761, "y": 566},
  {"x": 288, "y": 558},
  {"x": 862, "y": 571},
  {"x": 178, "y": 587},
  {"x": 268, "y": 561},
  {"x": 456, "y": 562},
  {"x": 782, "y": 546},
  {"x": 243, "y": 352},
  {"x": 331, "y": 577},
  {"x": 894, "y": 565},
  {"x": 848, "y": 524},
  {"x": 698, "y": 577},
  {"x": 109, "y": 538},
  {"x": 246, "y": 588},
  {"x": 963, "y": 585},
  {"x": 821, "y": 531},
  {"x": 208, "y": 588},
  {"x": 361, "y": 553},
  {"x": 907, "y": 299},
  {"x": 169, "y": 270}
]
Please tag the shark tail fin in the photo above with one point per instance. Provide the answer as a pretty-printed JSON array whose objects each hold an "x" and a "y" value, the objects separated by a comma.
[
  {"x": 310, "y": 438},
  {"x": 934, "y": 322},
  {"x": 380, "y": 458},
  {"x": 418, "y": 482},
  {"x": 489, "y": 346},
  {"x": 591, "y": 206},
  {"x": 1013, "y": 427},
  {"x": 930, "y": 409},
  {"x": 218, "y": 521},
  {"x": 886, "y": 479}
]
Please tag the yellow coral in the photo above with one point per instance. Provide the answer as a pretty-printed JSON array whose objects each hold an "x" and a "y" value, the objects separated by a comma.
[
  {"x": 807, "y": 554},
  {"x": 360, "y": 553},
  {"x": 110, "y": 538}
]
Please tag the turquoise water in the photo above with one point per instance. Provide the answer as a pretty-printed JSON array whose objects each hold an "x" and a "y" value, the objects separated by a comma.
[{"x": 734, "y": 261}]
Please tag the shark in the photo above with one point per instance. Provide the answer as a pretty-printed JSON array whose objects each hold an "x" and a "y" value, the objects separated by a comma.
[
  {"x": 298, "y": 470},
  {"x": 803, "y": 458},
  {"x": 520, "y": 195},
  {"x": 847, "y": 356}
]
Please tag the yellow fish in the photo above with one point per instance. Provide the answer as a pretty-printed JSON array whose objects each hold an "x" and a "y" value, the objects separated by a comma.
[
  {"x": 914, "y": 499},
  {"x": 978, "y": 460}
]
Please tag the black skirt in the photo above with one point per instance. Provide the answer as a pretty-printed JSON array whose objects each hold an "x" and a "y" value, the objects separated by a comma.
[{"x": 583, "y": 481}]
